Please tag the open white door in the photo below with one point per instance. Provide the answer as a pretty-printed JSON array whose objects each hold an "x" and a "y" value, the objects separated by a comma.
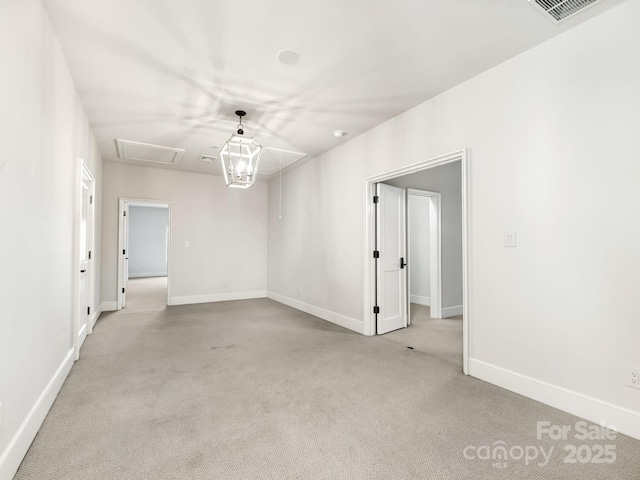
[
  {"x": 83, "y": 315},
  {"x": 125, "y": 257},
  {"x": 85, "y": 241},
  {"x": 124, "y": 254},
  {"x": 391, "y": 288}
]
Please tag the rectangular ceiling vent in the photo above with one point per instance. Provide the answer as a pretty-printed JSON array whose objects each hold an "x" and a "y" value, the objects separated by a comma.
[
  {"x": 208, "y": 158},
  {"x": 146, "y": 152},
  {"x": 559, "y": 10}
]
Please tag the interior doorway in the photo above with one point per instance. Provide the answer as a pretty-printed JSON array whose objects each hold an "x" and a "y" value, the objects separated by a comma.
[
  {"x": 144, "y": 250},
  {"x": 373, "y": 295}
]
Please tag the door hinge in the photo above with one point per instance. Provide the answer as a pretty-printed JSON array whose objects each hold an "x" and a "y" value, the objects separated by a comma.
[
  {"x": 376, "y": 254},
  {"x": 376, "y": 309},
  {"x": 91, "y": 200},
  {"x": 122, "y": 289},
  {"x": 88, "y": 310},
  {"x": 376, "y": 199},
  {"x": 124, "y": 213},
  {"x": 124, "y": 252},
  {"x": 89, "y": 255}
]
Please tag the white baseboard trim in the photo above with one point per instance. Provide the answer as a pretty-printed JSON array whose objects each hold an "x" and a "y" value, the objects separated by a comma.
[
  {"x": 333, "y": 317},
  {"x": 147, "y": 274},
  {"x": 217, "y": 297},
  {"x": 451, "y": 311},
  {"x": 624, "y": 420},
  {"x": 109, "y": 306},
  {"x": 12, "y": 457},
  {"x": 426, "y": 301},
  {"x": 82, "y": 335}
]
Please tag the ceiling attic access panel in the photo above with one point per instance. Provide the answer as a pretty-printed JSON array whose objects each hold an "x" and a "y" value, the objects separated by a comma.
[{"x": 146, "y": 152}]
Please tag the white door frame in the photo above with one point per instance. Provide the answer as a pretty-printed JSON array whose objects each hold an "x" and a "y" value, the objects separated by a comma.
[
  {"x": 435, "y": 249},
  {"x": 84, "y": 174},
  {"x": 369, "y": 264},
  {"x": 122, "y": 203}
]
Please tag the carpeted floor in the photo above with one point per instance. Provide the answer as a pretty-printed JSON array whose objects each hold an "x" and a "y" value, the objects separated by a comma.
[
  {"x": 440, "y": 338},
  {"x": 146, "y": 294},
  {"x": 257, "y": 390}
]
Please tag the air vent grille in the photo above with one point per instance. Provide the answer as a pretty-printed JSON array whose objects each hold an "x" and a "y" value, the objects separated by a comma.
[
  {"x": 559, "y": 10},
  {"x": 208, "y": 158}
]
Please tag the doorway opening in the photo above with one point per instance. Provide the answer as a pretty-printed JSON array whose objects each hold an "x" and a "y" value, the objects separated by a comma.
[
  {"x": 144, "y": 248},
  {"x": 453, "y": 297}
]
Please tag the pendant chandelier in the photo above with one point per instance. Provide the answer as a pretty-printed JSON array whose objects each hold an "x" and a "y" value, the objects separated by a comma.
[{"x": 240, "y": 157}]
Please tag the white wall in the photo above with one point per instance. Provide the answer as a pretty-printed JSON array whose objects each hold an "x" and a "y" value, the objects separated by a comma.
[
  {"x": 147, "y": 251},
  {"x": 225, "y": 227},
  {"x": 315, "y": 256},
  {"x": 446, "y": 180},
  {"x": 553, "y": 144},
  {"x": 43, "y": 132},
  {"x": 419, "y": 253}
]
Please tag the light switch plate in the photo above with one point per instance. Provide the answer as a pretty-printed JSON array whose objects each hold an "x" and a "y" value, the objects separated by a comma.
[{"x": 510, "y": 239}]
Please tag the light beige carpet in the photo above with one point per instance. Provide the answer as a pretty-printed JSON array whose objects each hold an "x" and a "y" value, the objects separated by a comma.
[
  {"x": 146, "y": 294},
  {"x": 257, "y": 390},
  {"x": 440, "y": 338}
]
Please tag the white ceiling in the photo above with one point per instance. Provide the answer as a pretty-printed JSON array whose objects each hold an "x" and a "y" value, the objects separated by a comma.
[{"x": 173, "y": 72}]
